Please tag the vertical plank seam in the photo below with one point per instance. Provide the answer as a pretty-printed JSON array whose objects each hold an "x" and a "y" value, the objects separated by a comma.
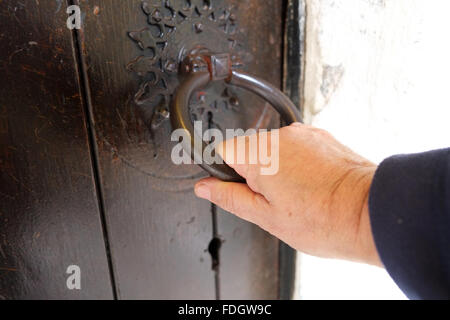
[
  {"x": 93, "y": 148},
  {"x": 216, "y": 236}
]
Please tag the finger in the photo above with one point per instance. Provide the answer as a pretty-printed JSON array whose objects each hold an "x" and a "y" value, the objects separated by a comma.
[
  {"x": 235, "y": 153},
  {"x": 250, "y": 155},
  {"x": 297, "y": 124},
  {"x": 236, "y": 198}
]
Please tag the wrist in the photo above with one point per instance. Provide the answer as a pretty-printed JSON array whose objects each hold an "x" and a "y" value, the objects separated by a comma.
[{"x": 367, "y": 249}]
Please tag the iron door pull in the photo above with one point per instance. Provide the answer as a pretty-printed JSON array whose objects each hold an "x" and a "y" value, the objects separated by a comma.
[{"x": 202, "y": 69}]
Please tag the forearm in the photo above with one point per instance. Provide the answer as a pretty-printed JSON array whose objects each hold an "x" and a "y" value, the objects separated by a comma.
[{"x": 410, "y": 218}]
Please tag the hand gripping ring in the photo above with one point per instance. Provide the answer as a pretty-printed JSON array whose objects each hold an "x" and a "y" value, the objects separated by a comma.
[{"x": 198, "y": 79}]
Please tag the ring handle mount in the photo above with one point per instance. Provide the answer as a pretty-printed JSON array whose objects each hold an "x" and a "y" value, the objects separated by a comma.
[{"x": 202, "y": 68}]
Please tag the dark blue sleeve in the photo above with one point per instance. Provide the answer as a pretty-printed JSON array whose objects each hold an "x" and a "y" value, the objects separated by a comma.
[{"x": 410, "y": 216}]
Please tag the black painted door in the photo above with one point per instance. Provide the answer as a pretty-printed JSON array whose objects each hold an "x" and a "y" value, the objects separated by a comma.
[
  {"x": 49, "y": 209},
  {"x": 86, "y": 177}
]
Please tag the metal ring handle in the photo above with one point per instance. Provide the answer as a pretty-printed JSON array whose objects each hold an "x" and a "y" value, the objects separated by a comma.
[{"x": 181, "y": 119}]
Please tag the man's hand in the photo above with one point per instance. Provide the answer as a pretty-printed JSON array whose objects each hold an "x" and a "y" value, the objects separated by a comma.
[{"x": 317, "y": 202}]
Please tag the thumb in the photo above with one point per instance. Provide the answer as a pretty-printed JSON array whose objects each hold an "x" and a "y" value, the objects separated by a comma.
[{"x": 236, "y": 198}]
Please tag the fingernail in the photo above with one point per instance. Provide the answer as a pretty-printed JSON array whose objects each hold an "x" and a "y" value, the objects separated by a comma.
[{"x": 202, "y": 191}]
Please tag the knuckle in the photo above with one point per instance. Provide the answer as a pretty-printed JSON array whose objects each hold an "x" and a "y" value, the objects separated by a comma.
[
  {"x": 252, "y": 173},
  {"x": 290, "y": 129},
  {"x": 320, "y": 132}
]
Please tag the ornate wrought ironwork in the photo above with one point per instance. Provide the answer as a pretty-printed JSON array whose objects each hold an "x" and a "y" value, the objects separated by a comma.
[{"x": 175, "y": 29}]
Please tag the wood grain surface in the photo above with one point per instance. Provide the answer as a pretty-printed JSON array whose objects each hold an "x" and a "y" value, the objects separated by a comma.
[
  {"x": 49, "y": 216},
  {"x": 86, "y": 179}
]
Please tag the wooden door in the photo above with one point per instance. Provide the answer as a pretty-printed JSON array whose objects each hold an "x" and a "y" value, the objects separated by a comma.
[
  {"x": 49, "y": 210},
  {"x": 86, "y": 174}
]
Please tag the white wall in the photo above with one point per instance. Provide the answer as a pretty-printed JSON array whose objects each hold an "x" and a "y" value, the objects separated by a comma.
[{"x": 377, "y": 78}]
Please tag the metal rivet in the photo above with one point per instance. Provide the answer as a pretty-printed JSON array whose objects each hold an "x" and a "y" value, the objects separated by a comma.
[
  {"x": 198, "y": 27},
  {"x": 156, "y": 15},
  {"x": 171, "y": 66},
  {"x": 165, "y": 113},
  {"x": 234, "y": 101}
]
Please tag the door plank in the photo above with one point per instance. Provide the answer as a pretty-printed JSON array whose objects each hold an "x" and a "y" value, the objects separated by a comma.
[
  {"x": 159, "y": 232},
  {"x": 49, "y": 215},
  {"x": 249, "y": 256}
]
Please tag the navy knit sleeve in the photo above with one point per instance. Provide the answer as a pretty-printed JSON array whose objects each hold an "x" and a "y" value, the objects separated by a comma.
[{"x": 410, "y": 216}]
